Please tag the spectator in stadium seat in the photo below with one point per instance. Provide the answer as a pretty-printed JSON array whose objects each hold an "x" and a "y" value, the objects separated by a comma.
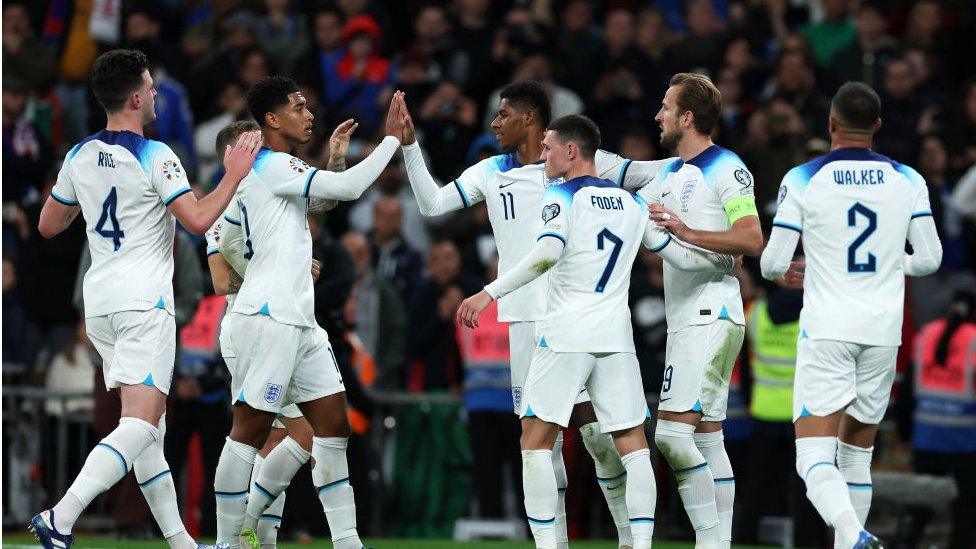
[
  {"x": 312, "y": 69},
  {"x": 578, "y": 45},
  {"x": 24, "y": 55},
  {"x": 703, "y": 44},
  {"x": 898, "y": 137},
  {"x": 392, "y": 183},
  {"x": 27, "y": 153},
  {"x": 376, "y": 313},
  {"x": 962, "y": 129},
  {"x": 474, "y": 31},
  {"x": 434, "y": 40},
  {"x": 356, "y": 82},
  {"x": 432, "y": 347},
  {"x": 933, "y": 161},
  {"x": 143, "y": 32},
  {"x": 864, "y": 59},
  {"x": 393, "y": 259},
  {"x": 282, "y": 32},
  {"x": 446, "y": 116},
  {"x": 832, "y": 33},
  {"x": 20, "y": 337},
  {"x": 795, "y": 82}
]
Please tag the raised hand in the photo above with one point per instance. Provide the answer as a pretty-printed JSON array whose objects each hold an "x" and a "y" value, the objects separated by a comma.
[
  {"x": 339, "y": 142},
  {"x": 394, "y": 117},
  {"x": 409, "y": 132},
  {"x": 239, "y": 158}
]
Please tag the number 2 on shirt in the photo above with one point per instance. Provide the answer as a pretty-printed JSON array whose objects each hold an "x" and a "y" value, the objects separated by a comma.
[
  {"x": 247, "y": 232},
  {"x": 853, "y": 266},
  {"x": 109, "y": 208},
  {"x": 617, "y": 244}
]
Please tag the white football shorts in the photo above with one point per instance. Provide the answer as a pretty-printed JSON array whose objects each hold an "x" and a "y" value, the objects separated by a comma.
[
  {"x": 137, "y": 347},
  {"x": 698, "y": 366},
  {"x": 522, "y": 344},
  {"x": 230, "y": 359},
  {"x": 613, "y": 381},
  {"x": 279, "y": 364},
  {"x": 839, "y": 375}
]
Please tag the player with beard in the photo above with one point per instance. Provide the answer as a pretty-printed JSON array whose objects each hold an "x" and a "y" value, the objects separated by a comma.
[{"x": 705, "y": 197}]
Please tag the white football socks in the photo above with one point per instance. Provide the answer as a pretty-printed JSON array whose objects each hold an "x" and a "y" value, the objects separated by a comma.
[
  {"x": 826, "y": 487},
  {"x": 712, "y": 447},
  {"x": 156, "y": 482},
  {"x": 539, "y": 486},
  {"x": 641, "y": 497},
  {"x": 854, "y": 464},
  {"x": 231, "y": 490},
  {"x": 270, "y": 520},
  {"x": 107, "y": 463},
  {"x": 611, "y": 476},
  {"x": 275, "y": 475},
  {"x": 562, "y": 482},
  {"x": 695, "y": 482},
  {"x": 331, "y": 478}
]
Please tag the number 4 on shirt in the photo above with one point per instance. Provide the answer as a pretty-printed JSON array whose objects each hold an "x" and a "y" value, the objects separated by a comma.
[{"x": 109, "y": 208}]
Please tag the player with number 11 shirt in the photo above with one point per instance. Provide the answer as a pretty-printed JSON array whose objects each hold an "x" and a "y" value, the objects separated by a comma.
[{"x": 511, "y": 185}]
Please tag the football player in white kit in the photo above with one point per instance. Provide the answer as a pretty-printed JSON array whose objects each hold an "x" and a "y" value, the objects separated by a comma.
[
  {"x": 225, "y": 258},
  {"x": 511, "y": 185},
  {"x": 706, "y": 198},
  {"x": 591, "y": 234},
  {"x": 854, "y": 209},
  {"x": 283, "y": 356},
  {"x": 129, "y": 188}
]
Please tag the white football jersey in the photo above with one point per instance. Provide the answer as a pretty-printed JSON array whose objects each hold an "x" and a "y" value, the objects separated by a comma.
[
  {"x": 273, "y": 202},
  {"x": 602, "y": 227},
  {"x": 123, "y": 183},
  {"x": 852, "y": 208},
  {"x": 706, "y": 192},
  {"x": 512, "y": 193}
]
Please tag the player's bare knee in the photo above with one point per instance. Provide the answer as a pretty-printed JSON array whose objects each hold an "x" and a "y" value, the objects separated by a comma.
[
  {"x": 537, "y": 434},
  {"x": 301, "y": 432},
  {"x": 275, "y": 436},
  {"x": 630, "y": 440}
]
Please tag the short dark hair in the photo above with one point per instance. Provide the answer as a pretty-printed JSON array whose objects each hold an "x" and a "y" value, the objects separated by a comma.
[
  {"x": 582, "y": 130},
  {"x": 116, "y": 75},
  {"x": 229, "y": 134},
  {"x": 529, "y": 95},
  {"x": 269, "y": 95},
  {"x": 700, "y": 96},
  {"x": 857, "y": 106}
]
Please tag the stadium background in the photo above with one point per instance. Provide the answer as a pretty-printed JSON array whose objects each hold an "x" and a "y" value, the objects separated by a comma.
[{"x": 427, "y": 452}]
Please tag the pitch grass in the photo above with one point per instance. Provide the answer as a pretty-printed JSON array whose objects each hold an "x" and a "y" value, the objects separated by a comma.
[{"x": 17, "y": 541}]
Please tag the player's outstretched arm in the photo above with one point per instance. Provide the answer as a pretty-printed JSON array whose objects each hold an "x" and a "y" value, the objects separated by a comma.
[
  {"x": 684, "y": 257},
  {"x": 338, "y": 148},
  {"x": 543, "y": 257},
  {"x": 778, "y": 255},
  {"x": 197, "y": 216},
  {"x": 432, "y": 198},
  {"x": 637, "y": 174},
  {"x": 56, "y": 216},
  {"x": 926, "y": 246}
]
